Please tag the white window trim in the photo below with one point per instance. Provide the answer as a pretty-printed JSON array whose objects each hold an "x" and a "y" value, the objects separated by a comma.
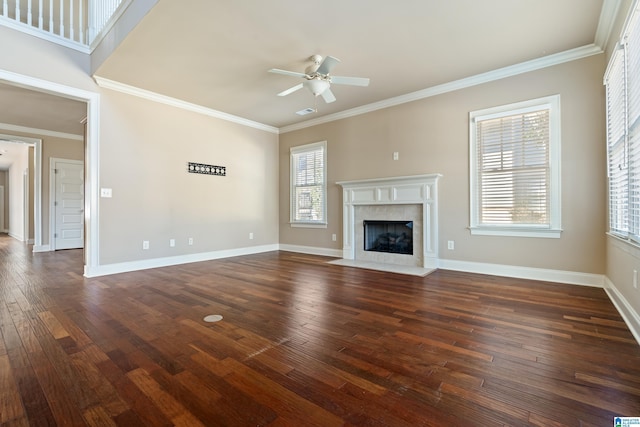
[
  {"x": 554, "y": 229},
  {"x": 297, "y": 150}
]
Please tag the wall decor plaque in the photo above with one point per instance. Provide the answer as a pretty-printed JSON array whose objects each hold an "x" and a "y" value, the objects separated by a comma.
[{"x": 205, "y": 169}]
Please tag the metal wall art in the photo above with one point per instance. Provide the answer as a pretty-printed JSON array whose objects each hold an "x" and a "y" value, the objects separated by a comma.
[{"x": 201, "y": 168}]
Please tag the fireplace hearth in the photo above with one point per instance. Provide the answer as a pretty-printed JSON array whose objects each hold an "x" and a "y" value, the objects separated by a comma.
[{"x": 388, "y": 236}]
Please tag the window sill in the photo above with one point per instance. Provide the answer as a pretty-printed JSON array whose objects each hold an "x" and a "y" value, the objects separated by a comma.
[
  {"x": 624, "y": 240},
  {"x": 548, "y": 233},
  {"x": 308, "y": 224}
]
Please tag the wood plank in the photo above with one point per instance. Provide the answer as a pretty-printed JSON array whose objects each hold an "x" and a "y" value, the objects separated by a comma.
[{"x": 304, "y": 342}]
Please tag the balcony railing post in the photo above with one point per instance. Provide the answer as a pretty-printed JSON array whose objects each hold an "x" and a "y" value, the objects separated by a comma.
[
  {"x": 51, "y": 16},
  {"x": 92, "y": 13},
  {"x": 62, "y": 18},
  {"x": 29, "y": 16},
  {"x": 71, "y": 29},
  {"x": 79, "y": 21},
  {"x": 40, "y": 16}
]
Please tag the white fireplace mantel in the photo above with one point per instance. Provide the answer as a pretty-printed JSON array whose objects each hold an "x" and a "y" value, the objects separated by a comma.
[{"x": 416, "y": 189}]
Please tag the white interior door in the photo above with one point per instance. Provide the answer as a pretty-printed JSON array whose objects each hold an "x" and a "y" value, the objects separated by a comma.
[{"x": 69, "y": 204}]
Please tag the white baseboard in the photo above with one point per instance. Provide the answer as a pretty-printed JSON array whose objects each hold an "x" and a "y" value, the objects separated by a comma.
[
  {"x": 19, "y": 237},
  {"x": 547, "y": 275},
  {"x": 41, "y": 248},
  {"x": 312, "y": 250},
  {"x": 626, "y": 310},
  {"x": 123, "y": 267}
]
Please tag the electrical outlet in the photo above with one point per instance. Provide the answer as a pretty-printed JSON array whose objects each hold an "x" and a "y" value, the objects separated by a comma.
[
  {"x": 396, "y": 155},
  {"x": 145, "y": 244},
  {"x": 334, "y": 237},
  {"x": 172, "y": 242},
  {"x": 250, "y": 236},
  {"x": 190, "y": 241},
  {"x": 451, "y": 245}
]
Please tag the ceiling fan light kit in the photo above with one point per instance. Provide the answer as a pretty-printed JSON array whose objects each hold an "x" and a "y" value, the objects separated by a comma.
[
  {"x": 316, "y": 86},
  {"x": 317, "y": 79}
]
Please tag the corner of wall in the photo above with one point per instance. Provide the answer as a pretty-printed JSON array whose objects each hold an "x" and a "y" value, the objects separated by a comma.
[{"x": 626, "y": 310}]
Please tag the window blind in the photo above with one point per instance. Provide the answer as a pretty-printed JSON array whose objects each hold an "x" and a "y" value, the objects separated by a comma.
[
  {"x": 633, "y": 124},
  {"x": 617, "y": 144},
  {"x": 514, "y": 172},
  {"x": 308, "y": 199},
  {"x": 622, "y": 81}
]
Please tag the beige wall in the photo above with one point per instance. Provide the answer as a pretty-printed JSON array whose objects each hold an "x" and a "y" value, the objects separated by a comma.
[
  {"x": 144, "y": 150},
  {"x": 31, "y": 56},
  {"x": 432, "y": 136}
]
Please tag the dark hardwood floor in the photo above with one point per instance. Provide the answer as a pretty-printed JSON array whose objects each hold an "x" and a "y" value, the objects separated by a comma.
[{"x": 304, "y": 343}]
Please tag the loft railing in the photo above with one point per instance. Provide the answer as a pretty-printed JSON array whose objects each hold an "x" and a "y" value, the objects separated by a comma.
[{"x": 78, "y": 21}]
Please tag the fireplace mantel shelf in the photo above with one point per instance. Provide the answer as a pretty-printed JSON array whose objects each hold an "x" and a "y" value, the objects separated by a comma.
[{"x": 416, "y": 189}]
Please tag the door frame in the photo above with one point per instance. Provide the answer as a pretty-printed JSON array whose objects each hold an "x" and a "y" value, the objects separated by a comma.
[
  {"x": 92, "y": 161},
  {"x": 2, "y": 227},
  {"x": 52, "y": 197},
  {"x": 36, "y": 143}
]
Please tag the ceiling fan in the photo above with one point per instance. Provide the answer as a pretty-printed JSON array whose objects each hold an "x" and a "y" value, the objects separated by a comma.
[{"x": 318, "y": 80}]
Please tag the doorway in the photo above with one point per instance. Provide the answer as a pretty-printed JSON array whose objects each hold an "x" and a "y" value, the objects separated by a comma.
[{"x": 92, "y": 100}]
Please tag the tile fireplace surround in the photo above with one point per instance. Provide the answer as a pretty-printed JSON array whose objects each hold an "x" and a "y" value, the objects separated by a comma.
[{"x": 411, "y": 198}]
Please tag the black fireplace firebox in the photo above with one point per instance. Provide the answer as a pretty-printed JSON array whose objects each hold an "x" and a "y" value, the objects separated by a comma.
[{"x": 389, "y": 236}]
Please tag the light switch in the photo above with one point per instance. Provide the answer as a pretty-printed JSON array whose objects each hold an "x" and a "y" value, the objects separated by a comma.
[{"x": 105, "y": 192}]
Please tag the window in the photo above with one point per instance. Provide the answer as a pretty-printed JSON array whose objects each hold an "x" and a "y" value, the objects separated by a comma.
[
  {"x": 515, "y": 169},
  {"x": 308, "y": 185},
  {"x": 622, "y": 80}
]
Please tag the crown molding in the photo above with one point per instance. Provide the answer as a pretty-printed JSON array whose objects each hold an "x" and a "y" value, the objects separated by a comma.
[
  {"x": 178, "y": 103},
  {"x": 500, "y": 73},
  {"x": 40, "y": 132},
  {"x": 607, "y": 20}
]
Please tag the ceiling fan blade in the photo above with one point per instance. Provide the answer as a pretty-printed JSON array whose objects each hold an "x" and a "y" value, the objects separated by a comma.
[
  {"x": 290, "y": 90},
  {"x": 328, "y": 64},
  {"x": 353, "y": 81},
  {"x": 286, "y": 73},
  {"x": 328, "y": 96}
]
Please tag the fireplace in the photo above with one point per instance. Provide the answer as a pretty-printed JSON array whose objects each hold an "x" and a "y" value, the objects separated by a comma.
[
  {"x": 405, "y": 200},
  {"x": 388, "y": 236}
]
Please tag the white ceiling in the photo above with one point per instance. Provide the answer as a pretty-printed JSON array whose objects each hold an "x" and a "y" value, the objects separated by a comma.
[{"x": 216, "y": 53}]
